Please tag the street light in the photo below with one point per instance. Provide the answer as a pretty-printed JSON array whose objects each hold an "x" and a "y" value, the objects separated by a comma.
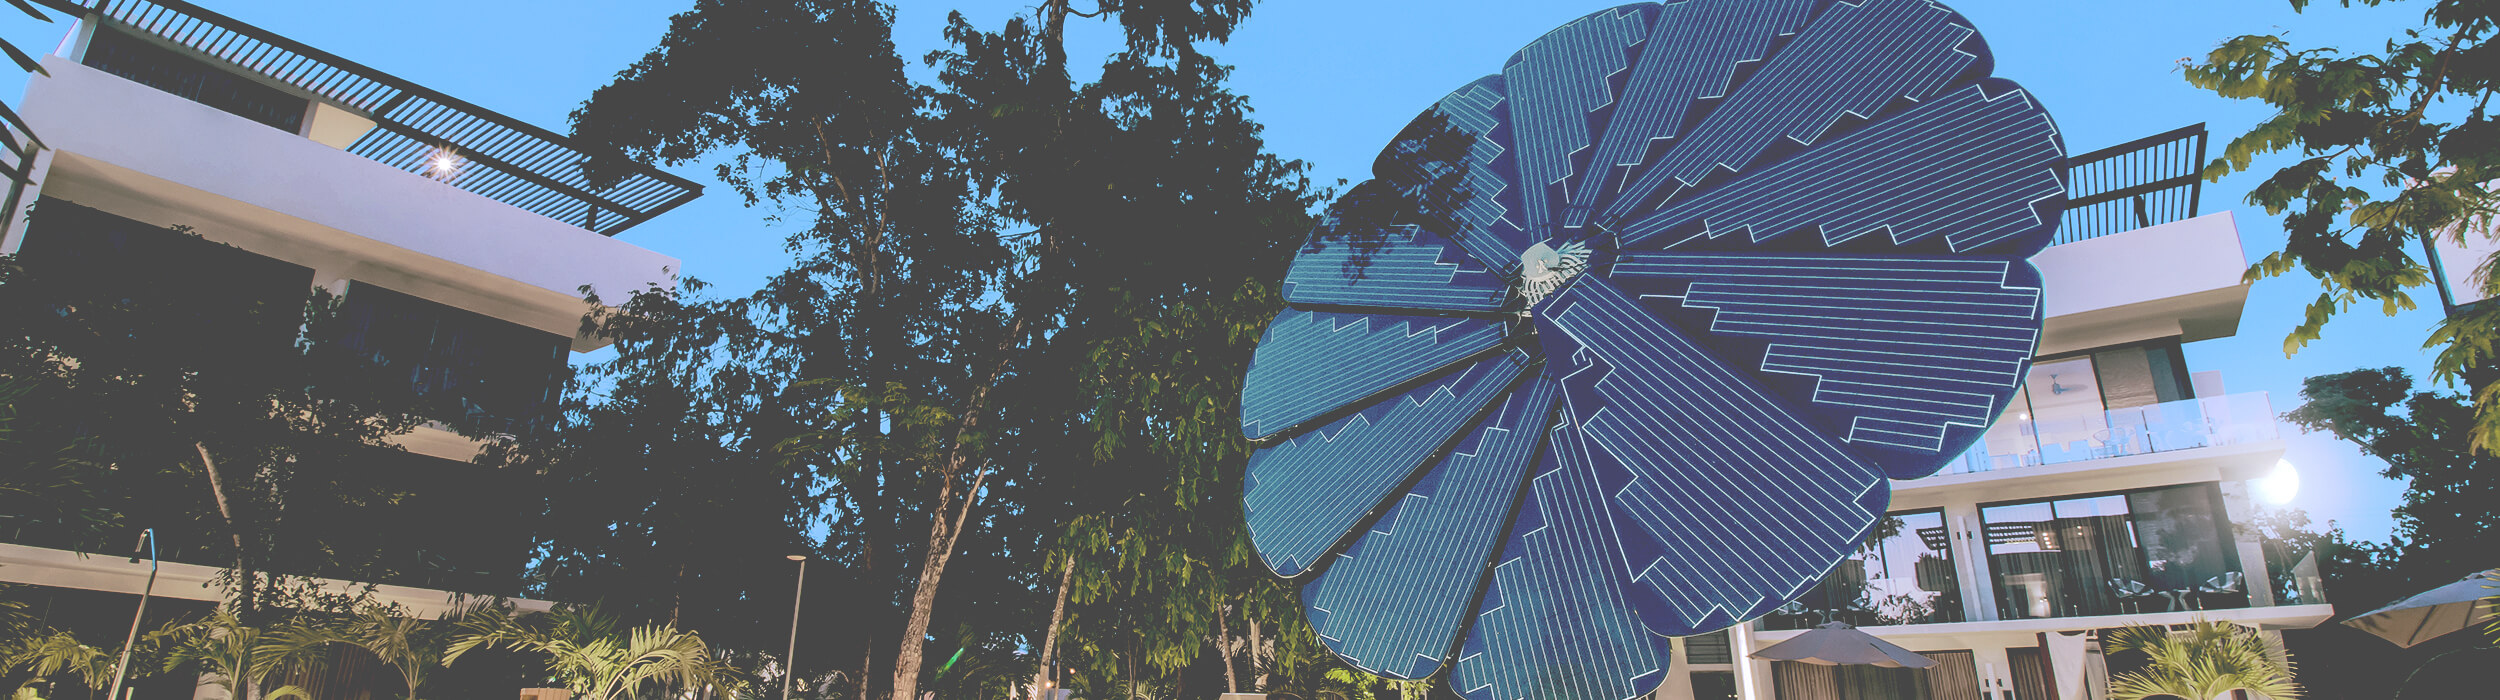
[
  {"x": 789, "y": 659},
  {"x": 121, "y": 669}
]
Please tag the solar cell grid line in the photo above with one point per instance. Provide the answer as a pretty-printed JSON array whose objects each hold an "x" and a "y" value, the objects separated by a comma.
[
  {"x": 1311, "y": 363},
  {"x": 1963, "y": 325},
  {"x": 1396, "y": 600},
  {"x": 1852, "y": 59},
  {"x": 1486, "y": 226},
  {"x": 1736, "y": 404},
  {"x": 1555, "y": 622},
  {"x": 1409, "y": 269},
  {"x": 1968, "y": 168},
  {"x": 1660, "y": 389},
  {"x": 1560, "y": 80},
  {"x": 1693, "y": 51},
  {"x": 1305, "y": 496}
]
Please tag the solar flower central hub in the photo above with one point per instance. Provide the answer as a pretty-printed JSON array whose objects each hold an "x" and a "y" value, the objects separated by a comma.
[
  {"x": 1544, "y": 268},
  {"x": 1777, "y": 255}
]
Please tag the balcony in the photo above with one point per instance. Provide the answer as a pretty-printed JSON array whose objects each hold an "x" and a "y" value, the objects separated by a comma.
[
  {"x": 2020, "y": 440},
  {"x": 1903, "y": 576},
  {"x": 156, "y": 157}
]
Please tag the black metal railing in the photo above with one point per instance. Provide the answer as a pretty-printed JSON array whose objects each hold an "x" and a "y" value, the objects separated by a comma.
[
  {"x": 416, "y": 129},
  {"x": 2142, "y": 183}
]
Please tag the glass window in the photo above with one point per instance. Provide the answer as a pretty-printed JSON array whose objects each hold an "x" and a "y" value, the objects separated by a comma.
[
  {"x": 1903, "y": 575},
  {"x": 99, "y": 268},
  {"x": 1712, "y": 648},
  {"x": 2010, "y": 441},
  {"x": 2066, "y": 411},
  {"x": 1714, "y": 685},
  {"x": 501, "y": 376},
  {"x": 2146, "y": 551},
  {"x": 145, "y": 63}
]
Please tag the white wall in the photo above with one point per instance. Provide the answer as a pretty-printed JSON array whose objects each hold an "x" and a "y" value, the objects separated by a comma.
[
  {"x": 2176, "y": 279},
  {"x": 148, "y": 155}
]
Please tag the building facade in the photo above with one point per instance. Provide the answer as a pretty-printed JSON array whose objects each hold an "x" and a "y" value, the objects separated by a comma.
[
  {"x": 2109, "y": 494},
  {"x": 461, "y": 245}
]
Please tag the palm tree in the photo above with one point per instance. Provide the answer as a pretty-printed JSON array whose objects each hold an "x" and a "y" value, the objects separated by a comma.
[
  {"x": 410, "y": 645},
  {"x": 242, "y": 656},
  {"x": 51, "y": 653},
  {"x": 2205, "y": 661},
  {"x": 590, "y": 653}
]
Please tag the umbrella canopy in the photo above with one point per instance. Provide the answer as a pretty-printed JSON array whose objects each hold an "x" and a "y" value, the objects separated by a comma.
[
  {"x": 2435, "y": 612},
  {"x": 1838, "y": 644}
]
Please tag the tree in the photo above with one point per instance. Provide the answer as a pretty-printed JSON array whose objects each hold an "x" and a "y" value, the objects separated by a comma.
[
  {"x": 2445, "y": 528},
  {"x": 134, "y": 353},
  {"x": 2206, "y": 661},
  {"x": 242, "y": 656},
  {"x": 919, "y": 374},
  {"x": 2411, "y": 118}
]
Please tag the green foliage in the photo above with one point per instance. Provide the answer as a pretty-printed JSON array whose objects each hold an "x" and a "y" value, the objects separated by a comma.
[
  {"x": 1000, "y": 343},
  {"x": 50, "y": 654},
  {"x": 2396, "y": 148},
  {"x": 47, "y": 479},
  {"x": 2445, "y": 529},
  {"x": 2207, "y": 660},
  {"x": 130, "y": 347},
  {"x": 242, "y": 656},
  {"x": 596, "y": 656}
]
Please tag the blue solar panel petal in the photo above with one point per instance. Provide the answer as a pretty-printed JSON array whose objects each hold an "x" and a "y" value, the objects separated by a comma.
[
  {"x": 1557, "y": 621},
  {"x": 1907, "y": 359},
  {"x": 1405, "y": 268},
  {"x": 1305, "y": 495},
  {"x": 1701, "y": 46},
  {"x": 1393, "y": 603},
  {"x": 1557, "y": 84},
  {"x": 1854, "y": 59},
  {"x": 1744, "y": 501},
  {"x": 1312, "y": 363},
  {"x": 1972, "y": 170},
  {"x": 1458, "y": 153},
  {"x": 1766, "y": 255}
]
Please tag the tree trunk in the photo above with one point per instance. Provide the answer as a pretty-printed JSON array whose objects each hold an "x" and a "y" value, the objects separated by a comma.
[
  {"x": 1050, "y": 636},
  {"x": 1258, "y": 683},
  {"x": 244, "y": 605},
  {"x": 945, "y": 531},
  {"x": 1224, "y": 647}
]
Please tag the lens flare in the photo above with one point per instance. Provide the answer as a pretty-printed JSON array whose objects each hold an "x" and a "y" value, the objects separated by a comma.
[{"x": 2281, "y": 485}]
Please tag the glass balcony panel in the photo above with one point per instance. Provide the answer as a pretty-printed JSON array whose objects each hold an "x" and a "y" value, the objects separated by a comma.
[
  {"x": 1905, "y": 577},
  {"x": 2155, "y": 550},
  {"x": 2023, "y": 438}
]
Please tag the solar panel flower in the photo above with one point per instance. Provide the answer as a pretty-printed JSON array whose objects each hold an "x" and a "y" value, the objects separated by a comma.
[{"x": 1625, "y": 341}]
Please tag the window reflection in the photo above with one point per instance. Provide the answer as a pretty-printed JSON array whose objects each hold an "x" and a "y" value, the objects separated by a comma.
[
  {"x": 1903, "y": 576},
  {"x": 2154, "y": 550}
]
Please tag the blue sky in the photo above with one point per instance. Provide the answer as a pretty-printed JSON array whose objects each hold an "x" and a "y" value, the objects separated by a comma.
[{"x": 1334, "y": 79}]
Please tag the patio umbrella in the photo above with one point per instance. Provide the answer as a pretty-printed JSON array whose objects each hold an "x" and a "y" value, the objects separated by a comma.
[
  {"x": 1838, "y": 644},
  {"x": 2433, "y": 613}
]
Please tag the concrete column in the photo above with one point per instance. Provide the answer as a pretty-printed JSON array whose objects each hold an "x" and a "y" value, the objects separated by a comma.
[
  {"x": 1679, "y": 682},
  {"x": 74, "y": 45},
  {"x": 2237, "y": 507},
  {"x": 1996, "y": 674},
  {"x": 1753, "y": 676},
  {"x": 1970, "y": 561}
]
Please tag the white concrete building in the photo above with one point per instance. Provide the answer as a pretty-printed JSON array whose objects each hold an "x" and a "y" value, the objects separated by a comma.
[
  {"x": 2108, "y": 495},
  {"x": 461, "y": 240}
]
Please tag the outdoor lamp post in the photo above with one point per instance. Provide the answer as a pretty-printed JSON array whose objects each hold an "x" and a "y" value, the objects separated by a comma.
[
  {"x": 789, "y": 659},
  {"x": 121, "y": 669}
]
